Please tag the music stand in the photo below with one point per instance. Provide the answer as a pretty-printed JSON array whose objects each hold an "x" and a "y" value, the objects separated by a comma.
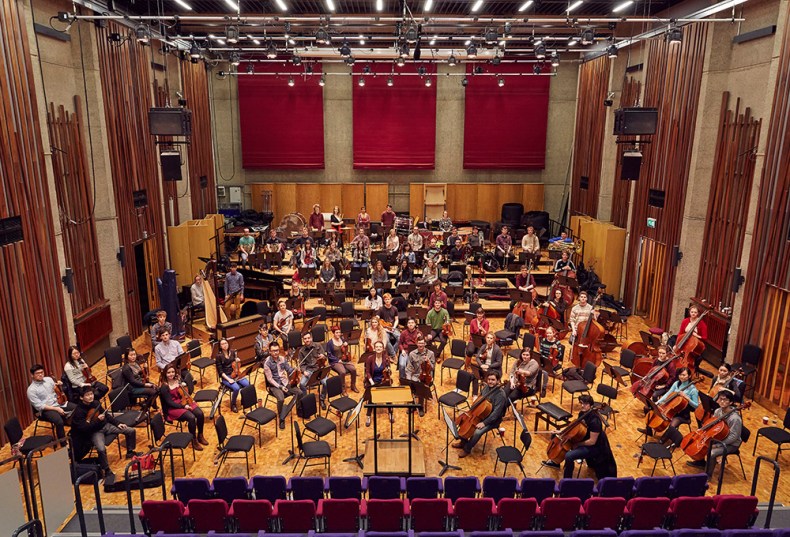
[
  {"x": 405, "y": 288},
  {"x": 521, "y": 296},
  {"x": 352, "y": 419},
  {"x": 383, "y": 285},
  {"x": 273, "y": 257},
  {"x": 421, "y": 391},
  {"x": 451, "y": 429},
  {"x": 612, "y": 372},
  {"x": 308, "y": 324},
  {"x": 307, "y": 274},
  {"x": 318, "y": 376},
  {"x": 287, "y": 411},
  {"x": 364, "y": 356},
  {"x": 425, "y": 329}
]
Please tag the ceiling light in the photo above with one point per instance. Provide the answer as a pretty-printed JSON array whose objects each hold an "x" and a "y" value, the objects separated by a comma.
[
  {"x": 232, "y": 4},
  {"x": 491, "y": 36},
  {"x": 404, "y": 50},
  {"x": 234, "y": 58},
  {"x": 282, "y": 5},
  {"x": 194, "y": 51},
  {"x": 297, "y": 60},
  {"x": 221, "y": 75},
  {"x": 611, "y": 51},
  {"x": 508, "y": 28},
  {"x": 421, "y": 70},
  {"x": 400, "y": 61},
  {"x": 183, "y": 4},
  {"x": 588, "y": 36},
  {"x": 291, "y": 82},
  {"x": 428, "y": 5},
  {"x": 496, "y": 60},
  {"x": 675, "y": 35},
  {"x": 322, "y": 81},
  {"x": 345, "y": 51},
  {"x": 622, "y": 6},
  {"x": 366, "y": 69},
  {"x": 250, "y": 69},
  {"x": 321, "y": 36},
  {"x": 464, "y": 81},
  {"x": 536, "y": 68},
  {"x": 452, "y": 61},
  {"x": 390, "y": 83},
  {"x": 142, "y": 33},
  {"x": 573, "y": 43},
  {"x": 292, "y": 42},
  {"x": 271, "y": 51},
  {"x": 287, "y": 30},
  {"x": 501, "y": 82},
  {"x": 379, "y": 5},
  {"x": 232, "y": 34},
  {"x": 555, "y": 59},
  {"x": 467, "y": 42},
  {"x": 540, "y": 51},
  {"x": 221, "y": 41},
  {"x": 476, "y": 7},
  {"x": 361, "y": 82},
  {"x": 428, "y": 82},
  {"x": 330, "y": 5},
  {"x": 432, "y": 42},
  {"x": 361, "y": 39},
  {"x": 471, "y": 52},
  {"x": 350, "y": 60},
  {"x": 411, "y": 35},
  {"x": 575, "y": 5},
  {"x": 525, "y": 6}
]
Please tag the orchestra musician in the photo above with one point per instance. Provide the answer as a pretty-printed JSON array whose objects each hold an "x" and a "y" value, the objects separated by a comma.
[
  {"x": 246, "y": 247},
  {"x": 309, "y": 256},
  {"x": 496, "y": 396},
  {"x": 41, "y": 394},
  {"x": 226, "y": 357},
  {"x": 392, "y": 244},
  {"x": 430, "y": 273},
  {"x": 563, "y": 237},
  {"x": 303, "y": 238},
  {"x": 388, "y": 313},
  {"x": 335, "y": 349},
  {"x": 75, "y": 370},
  {"x": 415, "y": 239},
  {"x": 457, "y": 252},
  {"x": 160, "y": 324},
  {"x": 379, "y": 274},
  {"x": 563, "y": 263},
  {"x": 296, "y": 297},
  {"x": 175, "y": 406},
  {"x": 93, "y": 433},
  {"x": 278, "y": 372},
  {"x": 594, "y": 448},
  {"x": 476, "y": 240},
  {"x": 234, "y": 291},
  {"x": 316, "y": 221},
  {"x": 363, "y": 219},
  {"x": 376, "y": 332},
  {"x": 671, "y": 369},
  {"x": 273, "y": 245},
  {"x": 388, "y": 218},
  {"x": 135, "y": 378},
  {"x": 197, "y": 294},
  {"x": 683, "y": 385},
  {"x": 433, "y": 252},
  {"x": 405, "y": 273},
  {"x": 167, "y": 350},
  {"x": 362, "y": 245},
  {"x": 436, "y": 318},
  {"x": 558, "y": 302},
  {"x": 445, "y": 222},
  {"x": 283, "y": 322},
  {"x": 504, "y": 243},
  {"x": 438, "y": 294},
  {"x": 479, "y": 326},
  {"x": 327, "y": 274},
  {"x": 489, "y": 358},
  {"x": 580, "y": 313},
  {"x": 547, "y": 345},
  {"x": 525, "y": 368},
  {"x": 530, "y": 245},
  {"x": 725, "y": 379},
  {"x": 725, "y": 398},
  {"x": 525, "y": 281},
  {"x": 262, "y": 342},
  {"x": 414, "y": 367},
  {"x": 700, "y": 330},
  {"x": 308, "y": 356},
  {"x": 376, "y": 364},
  {"x": 407, "y": 254},
  {"x": 373, "y": 301},
  {"x": 453, "y": 238},
  {"x": 407, "y": 340},
  {"x": 336, "y": 221}
]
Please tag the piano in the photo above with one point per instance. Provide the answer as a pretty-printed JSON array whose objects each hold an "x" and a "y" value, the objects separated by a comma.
[{"x": 258, "y": 284}]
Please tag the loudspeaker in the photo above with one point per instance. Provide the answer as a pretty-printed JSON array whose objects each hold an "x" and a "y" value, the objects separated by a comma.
[
  {"x": 121, "y": 256},
  {"x": 737, "y": 280},
  {"x": 11, "y": 230},
  {"x": 170, "y": 121},
  {"x": 171, "y": 165},
  {"x": 584, "y": 182},
  {"x": 677, "y": 255},
  {"x": 655, "y": 198},
  {"x": 140, "y": 198},
  {"x": 68, "y": 280},
  {"x": 630, "y": 166},
  {"x": 633, "y": 121},
  {"x": 203, "y": 181}
]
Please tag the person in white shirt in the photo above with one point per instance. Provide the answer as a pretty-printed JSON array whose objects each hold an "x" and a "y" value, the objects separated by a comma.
[
  {"x": 580, "y": 313},
  {"x": 393, "y": 242},
  {"x": 198, "y": 298},
  {"x": 42, "y": 396}
]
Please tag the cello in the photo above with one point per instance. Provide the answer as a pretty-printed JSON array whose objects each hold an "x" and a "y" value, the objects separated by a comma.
[
  {"x": 695, "y": 444},
  {"x": 645, "y": 386},
  {"x": 585, "y": 346},
  {"x": 573, "y": 433},
  {"x": 660, "y": 415},
  {"x": 689, "y": 345},
  {"x": 480, "y": 410}
]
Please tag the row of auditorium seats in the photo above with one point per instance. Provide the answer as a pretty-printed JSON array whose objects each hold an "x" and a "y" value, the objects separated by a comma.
[
  {"x": 275, "y": 488},
  {"x": 331, "y": 515}
]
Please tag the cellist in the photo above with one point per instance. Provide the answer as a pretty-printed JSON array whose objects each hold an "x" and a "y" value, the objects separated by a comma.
[
  {"x": 580, "y": 313},
  {"x": 700, "y": 331},
  {"x": 732, "y": 442},
  {"x": 683, "y": 385},
  {"x": 496, "y": 396},
  {"x": 671, "y": 369}
]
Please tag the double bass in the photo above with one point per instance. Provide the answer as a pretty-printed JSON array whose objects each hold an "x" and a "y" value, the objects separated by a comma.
[
  {"x": 585, "y": 347},
  {"x": 480, "y": 410},
  {"x": 695, "y": 444},
  {"x": 526, "y": 310},
  {"x": 689, "y": 345}
]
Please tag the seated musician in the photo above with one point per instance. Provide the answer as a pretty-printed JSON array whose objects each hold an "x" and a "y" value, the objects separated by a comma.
[
  {"x": 725, "y": 379},
  {"x": 563, "y": 263},
  {"x": 445, "y": 222},
  {"x": 595, "y": 448},
  {"x": 496, "y": 396},
  {"x": 41, "y": 394},
  {"x": 196, "y": 292},
  {"x": 489, "y": 358},
  {"x": 75, "y": 371},
  {"x": 361, "y": 243},
  {"x": 457, "y": 252},
  {"x": 504, "y": 243},
  {"x": 296, "y": 297},
  {"x": 316, "y": 221},
  {"x": 277, "y": 371},
  {"x": 414, "y": 367},
  {"x": 373, "y": 301},
  {"x": 363, "y": 219},
  {"x": 436, "y": 318},
  {"x": 87, "y": 433},
  {"x": 175, "y": 406},
  {"x": 407, "y": 340},
  {"x": 388, "y": 218},
  {"x": 374, "y": 332},
  {"x": 308, "y": 362},
  {"x": 392, "y": 244},
  {"x": 415, "y": 239},
  {"x": 525, "y": 281},
  {"x": 430, "y": 273},
  {"x": 547, "y": 345},
  {"x": 334, "y": 352},
  {"x": 388, "y": 313},
  {"x": 246, "y": 247},
  {"x": 405, "y": 273},
  {"x": 379, "y": 274},
  {"x": 671, "y": 369},
  {"x": 336, "y": 220},
  {"x": 558, "y": 303},
  {"x": 160, "y": 324},
  {"x": 438, "y": 294},
  {"x": 453, "y": 238},
  {"x": 273, "y": 245},
  {"x": 683, "y": 385},
  {"x": 302, "y": 239},
  {"x": 309, "y": 255},
  {"x": 523, "y": 377},
  {"x": 563, "y": 237},
  {"x": 167, "y": 350},
  {"x": 433, "y": 252},
  {"x": 327, "y": 274},
  {"x": 234, "y": 292},
  {"x": 376, "y": 363},
  {"x": 530, "y": 245},
  {"x": 226, "y": 357},
  {"x": 135, "y": 378},
  {"x": 479, "y": 326},
  {"x": 580, "y": 313},
  {"x": 283, "y": 322},
  {"x": 725, "y": 398},
  {"x": 407, "y": 255},
  {"x": 476, "y": 239}
]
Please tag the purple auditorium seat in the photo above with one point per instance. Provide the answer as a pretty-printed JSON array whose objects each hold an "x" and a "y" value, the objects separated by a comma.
[
  {"x": 217, "y": 534},
  {"x": 652, "y": 487},
  {"x": 644, "y": 533},
  {"x": 594, "y": 533},
  {"x": 500, "y": 487},
  {"x": 313, "y": 533},
  {"x": 385, "y": 487},
  {"x": 252, "y": 515},
  {"x": 344, "y": 487},
  {"x": 388, "y": 533},
  {"x": 306, "y": 488},
  {"x": 191, "y": 488},
  {"x": 615, "y": 487},
  {"x": 517, "y": 514},
  {"x": 458, "y": 533},
  {"x": 543, "y": 533},
  {"x": 688, "y": 485},
  {"x": 538, "y": 488},
  {"x": 269, "y": 487},
  {"x": 500, "y": 533},
  {"x": 748, "y": 533},
  {"x": 423, "y": 487},
  {"x": 701, "y": 532},
  {"x": 230, "y": 488},
  {"x": 461, "y": 487},
  {"x": 575, "y": 488}
]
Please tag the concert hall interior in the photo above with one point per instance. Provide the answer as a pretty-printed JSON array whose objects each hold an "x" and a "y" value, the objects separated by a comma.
[{"x": 406, "y": 266}]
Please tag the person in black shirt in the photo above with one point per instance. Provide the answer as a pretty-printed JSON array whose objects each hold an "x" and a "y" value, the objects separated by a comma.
[
  {"x": 496, "y": 395},
  {"x": 136, "y": 378},
  {"x": 226, "y": 357},
  {"x": 94, "y": 433}
]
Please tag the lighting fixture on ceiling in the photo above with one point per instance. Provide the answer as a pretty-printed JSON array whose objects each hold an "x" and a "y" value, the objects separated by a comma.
[
  {"x": 330, "y": 5},
  {"x": 575, "y": 5},
  {"x": 452, "y": 61},
  {"x": 271, "y": 51},
  {"x": 361, "y": 39},
  {"x": 471, "y": 52},
  {"x": 366, "y": 69},
  {"x": 281, "y": 4},
  {"x": 477, "y": 5},
  {"x": 390, "y": 82},
  {"x": 573, "y": 42},
  {"x": 321, "y": 36},
  {"x": 619, "y": 7},
  {"x": 525, "y": 6},
  {"x": 536, "y": 68},
  {"x": 411, "y": 34},
  {"x": 345, "y": 50},
  {"x": 291, "y": 82},
  {"x": 361, "y": 82},
  {"x": 232, "y": 4},
  {"x": 250, "y": 69},
  {"x": 183, "y": 4},
  {"x": 404, "y": 50},
  {"x": 491, "y": 36},
  {"x": 232, "y": 34},
  {"x": 297, "y": 60},
  {"x": 508, "y": 28},
  {"x": 555, "y": 59},
  {"x": 142, "y": 33},
  {"x": 540, "y": 51},
  {"x": 307, "y": 68},
  {"x": 254, "y": 41},
  {"x": 350, "y": 60},
  {"x": 428, "y": 82},
  {"x": 675, "y": 35},
  {"x": 427, "y": 5},
  {"x": 322, "y": 81},
  {"x": 235, "y": 59},
  {"x": 194, "y": 51},
  {"x": 400, "y": 61},
  {"x": 379, "y": 5},
  {"x": 501, "y": 82},
  {"x": 421, "y": 70},
  {"x": 287, "y": 30},
  {"x": 611, "y": 51},
  {"x": 588, "y": 36},
  {"x": 464, "y": 81}
]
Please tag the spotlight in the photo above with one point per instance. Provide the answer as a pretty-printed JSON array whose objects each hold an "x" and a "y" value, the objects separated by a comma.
[
  {"x": 428, "y": 82},
  {"x": 464, "y": 81},
  {"x": 421, "y": 70},
  {"x": 350, "y": 60},
  {"x": 536, "y": 69},
  {"x": 471, "y": 52},
  {"x": 291, "y": 82},
  {"x": 508, "y": 28},
  {"x": 322, "y": 81},
  {"x": 345, "y": 50},
  {"x": 611, "y": 51},
  {"x": 361, "y": 82},
  {"x": 321, "y": 36},
  {"x": 478, "y": 70},
  {"x": 540, "y": 51},
  {"x": 271, "y": 51},
  {"x": 232, "y": 34},
  {"x": 496, "y": 60},
  {"x": 452, "y": 61},
  {"x": 404, "y": 50},
  {"x": 221, "y": 75},
  {"x": 287, "y": 30},
  {"x": 400, "y": 61},
  {"x": 411, "y": 35},
  {"x": 194, "y": 51},
  {"x": 491, "y": 37},
  {"x": 588, "y": 36},
  {"x": 115, "y": 37},
  {"x": 501, "y": 82},
  {"x": 555, "y": 59},
  {"x": 297, "y": 60},
  {"x": 193, "y": 60},
  {"x": 675, "y": 35},
  {"x": 307, "y": 68},
  {"x": 142, "y": 33},
  {"x": 234, "y": 58},
  {"x": 366, "y": 69},
  {"x": 390, "y": 83},
  {"x": 250, "y": 69}
]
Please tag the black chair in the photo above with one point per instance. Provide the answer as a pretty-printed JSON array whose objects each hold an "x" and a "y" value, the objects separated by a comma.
[
  {"x": 316, "y": 449},
  {"x": 346, "y": 310},
  {"x": 240, "y": 443},
  {"x": 459, "y": 396},
  {"x": 574, "y": 387},
  {"x": 124, "y": 342},
  {"x": 175, "y": 440},
  {"x": 627, "y": 358},
  {"x": 319, "y": 333},
  {"x": 318, "y": 426},
  {"x": 263, "y": 309},
  {"x": 745, "y": 435},
  {"x": 779, "y": 436},
  {"x": 457, "y": 358},
  {"x": 552, "y": 415},
  {"x": 294, "y": 340},
  {"x": 339, "y": 404},
  {"x": 113, "y": 357},
  {"x": 750, "y": 361},
  {"x": 198, "y": 361},
  {"x": 657, "y": 452},
  {"x": 248, "y": 308},
  {"x": 14, "y": 433},
  {"x": 527, "y": 342},
  {"x": 257, "y": 416},
  {"x": 511, "y": 454},
  {"x": 608, "y": 393},
  {"x": 120, "y": 408}
]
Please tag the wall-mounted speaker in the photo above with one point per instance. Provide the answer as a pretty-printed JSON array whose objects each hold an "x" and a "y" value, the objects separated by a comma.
[
  {"x": 171, "y": 165},
  {"x": 203, "y": 181},
  {"x": 121, "y": 256},
  {"x": 737, "y": 280},
  {"x": 584, "y": 182},
  {"x": 68, "y": 280},
  {"x": 11, "y": 230},
  {"x": 677, "y": 255},
  {"x": 633, "y": 121},
  {"x": 140, "y": 199},
  {"x": 655, "y": 198},
  {"x": 630, "y": 166},
  {"x": 170, "y": 121}
]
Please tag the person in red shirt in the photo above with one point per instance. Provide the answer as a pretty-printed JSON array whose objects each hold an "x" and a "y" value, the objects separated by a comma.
[
  {"x": 438, "y": 294},
  {"x": 700, "y": 331},
  {"x": 316, "y": 219},
  {"x": 478, "y": 326},
  {"x": 388, "y": 218}
]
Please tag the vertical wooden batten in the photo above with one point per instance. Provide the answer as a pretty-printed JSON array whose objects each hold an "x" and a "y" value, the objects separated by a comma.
[{"x": 201, "y": 151}]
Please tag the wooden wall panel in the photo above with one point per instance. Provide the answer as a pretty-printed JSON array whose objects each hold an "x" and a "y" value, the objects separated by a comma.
[
  {"x": 773, "y": 376},
  {"x": 621, "y": 190},
  {"x": 33, "y": 324},
  {"x": 416, "y": 199},
  {"x": 377, "y": 197},
  {"x": 200, "y": 153}
]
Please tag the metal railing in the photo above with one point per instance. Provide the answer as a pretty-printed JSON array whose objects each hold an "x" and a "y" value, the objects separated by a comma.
[
  {"x": 33, "y": 529},
  {"x": 772, "y": 500},
  {"x": 78, "y": 502}
]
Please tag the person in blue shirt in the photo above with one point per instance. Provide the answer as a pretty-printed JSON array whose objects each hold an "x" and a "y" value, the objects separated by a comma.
[
  {"x": 562, "y": 238},
  {"x": 682, "y": 385}
]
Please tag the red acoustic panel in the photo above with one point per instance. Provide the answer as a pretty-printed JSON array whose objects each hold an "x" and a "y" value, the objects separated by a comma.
[
  {"x": 505, "y": 127},
  {"x": 394, "y": 127},
  {"x": 282, "y": 127}
]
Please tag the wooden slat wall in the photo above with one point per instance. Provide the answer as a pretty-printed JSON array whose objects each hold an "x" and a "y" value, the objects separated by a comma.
[
  {"x": 169, "y": 188},
  {"x": 481, "y": 201},
  {"x": 770, "y": 255},
  {"x": 651, "y": 275},
  {"x": 773, "y": 376},
  {"x": 32, "y": 313},
  {"x": 728, "y": 205},
  {"x": 621, "y": 192},
  {"x": 127, "y": 91},
  {"x": 674, "y": 74},
  {"x": 590, "y": 135},
  {"x": 200, "y": 152},
  {"x": 74, "y": 189}
]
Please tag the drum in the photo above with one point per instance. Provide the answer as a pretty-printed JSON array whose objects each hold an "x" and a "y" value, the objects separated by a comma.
[{"x": 404, "y": 224}]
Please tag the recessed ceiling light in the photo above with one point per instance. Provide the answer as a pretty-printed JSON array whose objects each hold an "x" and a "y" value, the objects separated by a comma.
[
  {"x": 622, "y": 6},
  {"x": 575, "y": 5},
  {"x": 232, "y": 4},
  {"x": 476, "y": 7},
  {"x": 281, "y": 5},
  {"x": 428, "y": 5},
  {"x": 183, "y": 4},
  {"x": 379, "y": 5},
  {"x": 525, "y": 6}
]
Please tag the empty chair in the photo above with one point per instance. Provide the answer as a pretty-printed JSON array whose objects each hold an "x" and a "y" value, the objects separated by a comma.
[
  {"x": 473, "y": 514},
  {"x": 538, "y": 488},
  {"x": 306, "y": 488},
  {"x": 387, "y": 533},
  {"x": 701, "y": 532},
  {"x": 385, "y": 487},
  {"x": 191, "y": 488},
  {"x": 239, "y": 443},
  {"x": 430, "y": 514},
  {"x": 269, "y": 487},
  {"x": 457, "y": 533},
  {"x": 594, "y": 533},
  {"x": 230, "y": 488},
  {"x": 734, "y": 512},
  {"x": 646, "y": 513},
  {"x": 690, "y": 511},
  {"x": 255, "y": 415},
  {"x": 162, "y": 515},
  {"x": 207, "y": 515},
  {"x": 423, "y": 487},
  {"x": 461, "y": 487},
  {"x": 575, "y": 488},
  {"x": 516, "y": 514},
  {"x": 749, "y": 533},
  {"x": 384, "y": 515},
  {"x": 339, "y": 514},
  {"x": 645, "y": 533},
  {"x": 251, "y": 515},
  {"x": 602, "y": 513},
  {"x": 488, "y": 533},
  {"x": 559, "y": 513},
  {"x": 344, "y": 487},
  {"x": 295, "y": 516},
  {"x": 776, "y": 435},
  {"x": 652, "y": 487},
  {"x": 688, "y": 485},
  {"x": 615, "y": 487},
  {"x": 314, "y": 450},
  {"x": 499, "y": 487},
  {"x": 15, "y": 434},
  {"x": 542, "y": 533}
]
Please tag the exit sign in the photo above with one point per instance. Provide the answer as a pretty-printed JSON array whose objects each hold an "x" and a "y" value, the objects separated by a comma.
[{"x": 651, "y": 222}]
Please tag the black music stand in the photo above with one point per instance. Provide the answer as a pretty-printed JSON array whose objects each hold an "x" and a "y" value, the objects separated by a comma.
[
  {"x": 383, "y": 285},
  {"x": 288, "y": 411},
  {"x": 419, "y": 390},
  {"x": 451, "y": 430},
  {"x": 308, "y": 324},
  {"x": 612, "y": 372},
  {"x": 521, "y": 296},
  {"x": 273, "y": 258},
  {"x": 317, "y": 377},
  {"x": 409, "y": 288},
  {"x": 306, "y": 274},
  {"x": 352, "y": 418}
]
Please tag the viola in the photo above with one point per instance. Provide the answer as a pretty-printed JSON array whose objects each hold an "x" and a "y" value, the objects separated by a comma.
[
  {"x": 585, "y": 346},
  {"x": 521, "y": 382},
  {"x": 480, "y": 410},
  {"x": 554, "y": 357},
  {"x": 144, "y": 373},
  {"x": 89, "y": 377},
  {"x": 236, "y": 374},
  {"x": 385, "y": 324},
  {"x": 695, "y": 444},
  {"x": 93, "y": 415},
  {"x": 294, "y": 379},
  {"x": 186, "y": 399},
  {"x": 386, "y": 377},
  {"x": 345, "y": 352},
  {"x": 447, "y": 329},
  {"x": 62, "y": 399},
  {"x": 426, "y": 373},
  {"x": 572, "y": 434}
]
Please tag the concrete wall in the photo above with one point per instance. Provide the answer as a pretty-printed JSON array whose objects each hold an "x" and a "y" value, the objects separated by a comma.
[{"x": 338, "y": 139}]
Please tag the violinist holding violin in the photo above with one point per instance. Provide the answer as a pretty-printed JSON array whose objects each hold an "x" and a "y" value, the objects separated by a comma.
[
  {"x": 489, "y": 358},
  {"x": 178, "y": 405},
  {"x": 417, "y": 372},
  {"x": 339, "y": 356},
  {"x": 377, "y": 373},
  {"x": 79, "y": 374},
  {"x": 684, "y": 386},
  {"x": 42, "y": 395},
  {"x": 552, "y": 352},
  {"x": 136, "y": 377},
  {"x": 523, "y": 376},
  {"x": 496, "y": 396},
  {"x": 90, "y": 427},
  {"x": 479, "y": 326},
  {"x": 228, "y": 371}
]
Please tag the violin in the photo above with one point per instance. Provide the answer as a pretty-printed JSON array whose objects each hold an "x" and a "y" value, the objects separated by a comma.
[
  {"x": 521, "y": 382},
  {"x": 585, "y": 346},
  {"x": 144, "y": 373},
  {"x": 386, "y": 377},
  {"x": 93, "y": 415},
  {"x": 689, "y": 345},
  {"x": 447, "y": 329},
  {"x": 480, "y": 410},
  {"x": 554, "y": 357},
  {"x": 345, "y": 352},
  {"x": 294, "y": 379},
  {"x": 89, "y": 377},
  {"x": 62, "y": 399},
  {"x": 426, "y": 373},
  {"x": 695, "y": 444},
  {"x": 236, "y": 374},
  {"x": 572, "y": 434},
  {"x": 659, "y": 417}
]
